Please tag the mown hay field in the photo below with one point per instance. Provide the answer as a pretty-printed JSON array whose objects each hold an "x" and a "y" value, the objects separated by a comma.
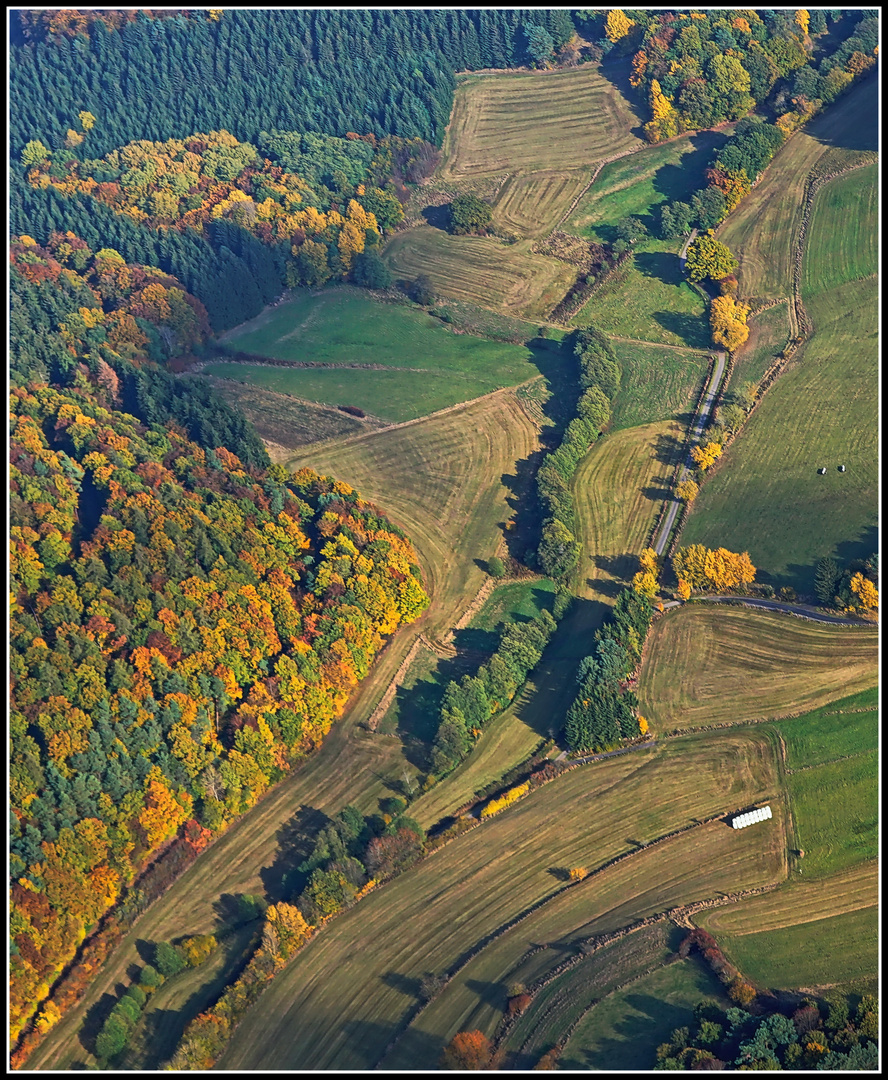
[
  {"x": 766, "y": 495},
  {"x": 795, "y": 902},
  {"x": 505, "y": 122},
  {"x": 637, "y": 184},
  {"x": 360, "y": 975},
  {"x": 762, "y": 232},
  {"x": 531, "y": 205},
  {"x": 481, "y": 269},
  {"x": 821, "y": 953},
  {"x": 657, "y": 384},
  {"x": 843, "y": 244},
  {"x": 618, "y": 488},
  {"x": 623, "y": 1031},
  {"x": 696, "y": 865},
  {"x": 618, "y": 491},
  {"x": 648, "y": 299},
  {"x": 441, "y": 479},
  {"x": 283, "y": 421},
  {"x": 707, "y": 664}
]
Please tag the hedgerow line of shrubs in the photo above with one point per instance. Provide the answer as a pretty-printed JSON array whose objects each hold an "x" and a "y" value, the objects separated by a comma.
[
  {"x": 604, "y": 712},
  {"x": 599, "y": 380}
]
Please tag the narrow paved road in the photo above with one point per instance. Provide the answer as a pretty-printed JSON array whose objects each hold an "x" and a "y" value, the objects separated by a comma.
[
  {"x": 683, "y": 254},
  {"x": 665, "y": 531},
  {"x": 779, "y": 605}
]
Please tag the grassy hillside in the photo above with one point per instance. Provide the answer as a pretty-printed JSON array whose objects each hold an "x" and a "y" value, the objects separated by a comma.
[
  {"x": 481, "y": 269},
  {"x": 639, "y": 183},
  {"x": 708, "y": 665},
  {"x": 766, "y": 495},
  {"x": 533, "y": 120},
  {"x": 392, "y": 360},
  {"x": 443, "y": 478},
  {"x": 648, "y": 299},
  {"x": 762, "y": 231},
  {"x": 656, "y": 384}
]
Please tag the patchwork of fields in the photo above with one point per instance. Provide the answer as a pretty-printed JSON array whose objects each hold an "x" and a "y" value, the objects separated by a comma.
[
  {"x": 766, "y": 495},
  {"x": 350, "y": 1000},
  {"x": 475, "y": 886}
]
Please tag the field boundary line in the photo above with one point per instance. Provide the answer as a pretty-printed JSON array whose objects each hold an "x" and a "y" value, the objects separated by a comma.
[{"x": 831, "y": 761}]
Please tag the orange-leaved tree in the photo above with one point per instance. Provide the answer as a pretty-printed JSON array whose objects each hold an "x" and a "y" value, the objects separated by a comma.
[{"x": 468, "y": 1050}]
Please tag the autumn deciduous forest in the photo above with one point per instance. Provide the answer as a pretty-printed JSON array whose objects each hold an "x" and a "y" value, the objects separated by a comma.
[{"x": 184, "y": 629}]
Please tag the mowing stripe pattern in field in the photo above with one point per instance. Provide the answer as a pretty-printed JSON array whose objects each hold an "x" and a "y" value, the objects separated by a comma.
[
  {"x": 528, "y": 121},
  {"x": 479, "y": 883},
  {"x": 712, "y": 665},
  {"x": 481, "y": 269},
  {"x": 441, "y": 480},
  {"x": 797, "y": 902},
  {"x": 843, "y": 238},
  {"x": 697, "y": 865},
  {"x": 531, "y": 205}
]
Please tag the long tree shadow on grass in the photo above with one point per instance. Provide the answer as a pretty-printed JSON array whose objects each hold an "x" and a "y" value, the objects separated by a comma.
[
  {"x": 617, "y": 73},
  {"x": 439, "y": 217},
  {"x": 367, "y": 1040},
  {"x": 637, "y": 1036},
  {"x": 95, "y": 1017},
  {"x": 295, "y": 839},
  {"x": 679, "y": 183},
  {"x": 691, "y": 329}
]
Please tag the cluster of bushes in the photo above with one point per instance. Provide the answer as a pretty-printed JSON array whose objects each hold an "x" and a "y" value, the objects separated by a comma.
[
  {"x": 511, "y": 796},
  {"x": 169, "y": 961},
  {"x": 599, "y": 378},
  {"x": 604, "y": 711},
  {"x": 468, "y": 705},
  {"x": 733, "y": 170},
  {"x": 853, "y": 589},
  {"x": 353, "y": 852},
  {"x": 812, "y": 1038}
]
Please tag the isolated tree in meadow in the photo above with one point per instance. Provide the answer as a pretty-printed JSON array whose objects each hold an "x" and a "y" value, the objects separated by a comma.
[
  {"x": 495, "y": 567},
  {"x": 631, "y": 229},
  {"x": 469, "y": 214},
  {"x": 421, "y": 290},
  {"x": 708, "y": 257},
  {"x": 469, "y": 1050}
]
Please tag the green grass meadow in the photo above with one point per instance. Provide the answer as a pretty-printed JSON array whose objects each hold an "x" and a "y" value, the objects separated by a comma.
[
  {"x": 835, "y": 808},
  {"x": 656, "y": 384},
  {"x": 402, "y": 363},
  {"x": 623, "y": 1031},
  {"x": 637, "y": 184},
  {"x": 821, "y": 953},
  {"x": 833, "y": 731},
  {"x": 767, "y": 496},
  {"x": 768, "y": 335},
  {"x": 843, "y": 239},
  {"x": 648, "y": 299}
]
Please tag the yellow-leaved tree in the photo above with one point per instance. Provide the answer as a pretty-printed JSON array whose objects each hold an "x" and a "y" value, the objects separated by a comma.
[
  {"x": 704, "y": 456},
  {"x": 727, "y": 319},
  {"x": 617, "y": 25},
  {"x": 683, "y": 590},
  {"x": 866, "y": 591},
  {"x": 687, "y": 490}
]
